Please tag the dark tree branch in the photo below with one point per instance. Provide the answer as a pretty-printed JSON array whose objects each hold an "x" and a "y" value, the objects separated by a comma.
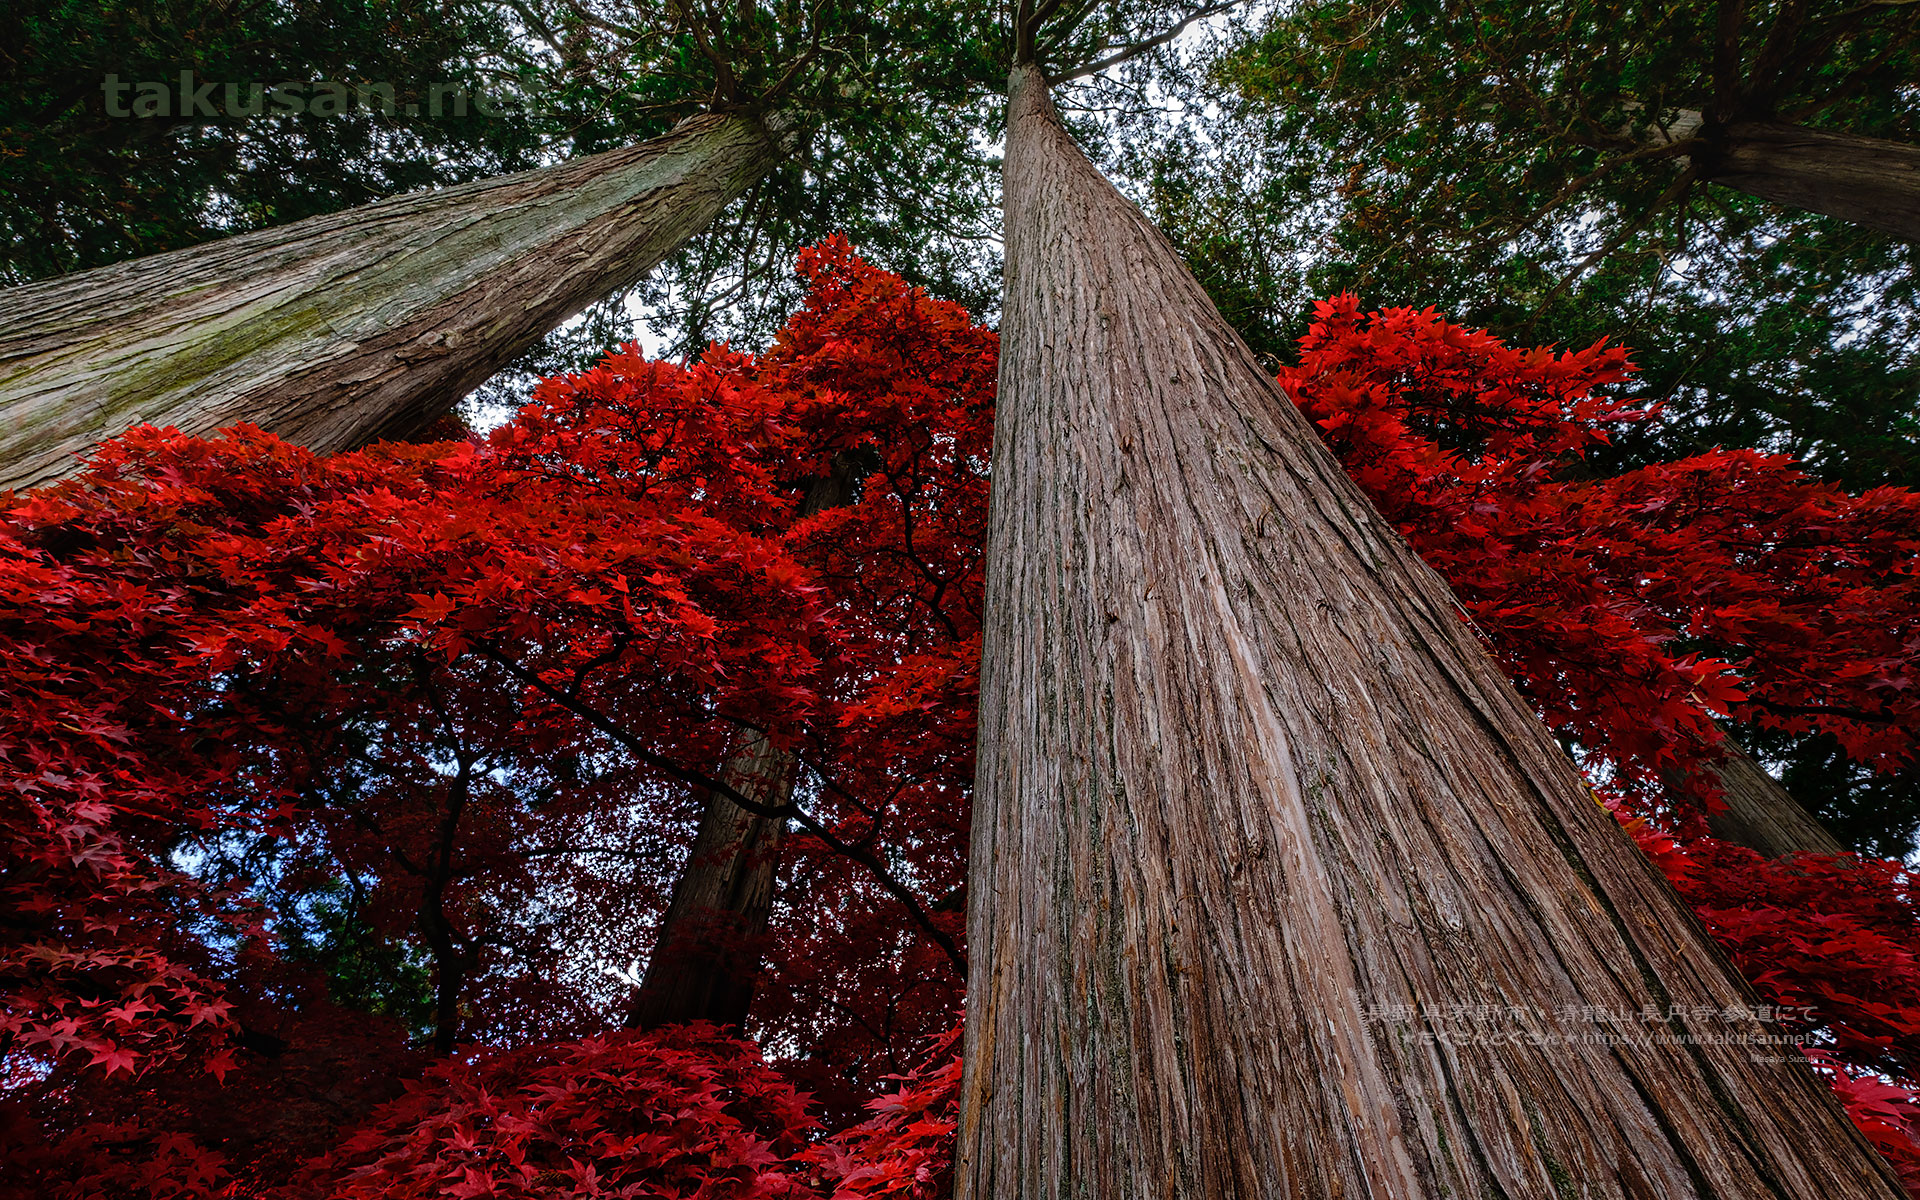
[
  {"x": 1136, "y": 49},
  {"x": 800, "y": 63},
  {"x": 719, "y": 787}
]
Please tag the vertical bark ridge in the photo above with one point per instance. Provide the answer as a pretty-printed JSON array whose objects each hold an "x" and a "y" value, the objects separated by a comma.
[
  {"x": 1254, "y": 808},
  {"x": 356, "y": 325},
  {"x": 706, "y": 958}
]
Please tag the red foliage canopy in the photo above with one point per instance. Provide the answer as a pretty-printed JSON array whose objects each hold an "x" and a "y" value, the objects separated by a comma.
[
  {"x": 465, "y": 694},
  {"x": 1634, "y": 608},
  {"x": 683, "y": 1111},
  {"x": 443, "y": 677}
]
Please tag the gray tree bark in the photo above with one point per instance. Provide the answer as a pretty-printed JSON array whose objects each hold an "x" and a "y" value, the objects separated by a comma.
[
  {"x": 1275, "y": 877},
  {"x": 357, "y": 325},
  {"x": 1868, "y": 181},
  {"x": 1761, "y": 814},
  {"x": 706, "y": 956}
]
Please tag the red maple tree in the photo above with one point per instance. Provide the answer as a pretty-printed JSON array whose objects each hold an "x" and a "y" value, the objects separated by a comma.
[
  {"x": 460, "y": 698},
  {"x": 450, "y": 674}
]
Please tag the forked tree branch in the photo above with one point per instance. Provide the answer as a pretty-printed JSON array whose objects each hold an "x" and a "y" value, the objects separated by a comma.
[
  {"x": 701, "y": 779},
  {"x": 1136, "y": 49}
]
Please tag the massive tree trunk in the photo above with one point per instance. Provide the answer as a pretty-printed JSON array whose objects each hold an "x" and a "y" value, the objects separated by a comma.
[
  {"x": 1279, "y": 888},
  {"x": 1761, "y": 814},
  {"x": 706, "y": 957},
  {"x": 356, "y": 325},
  {"x": 1867, "y": 181}
]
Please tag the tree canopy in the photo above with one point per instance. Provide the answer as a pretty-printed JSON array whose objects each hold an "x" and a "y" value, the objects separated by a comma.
[
  {"x": 445, "y": 783},
  {"x": 1437, "y": 669},
  {"x": 1526, "y": 168}
]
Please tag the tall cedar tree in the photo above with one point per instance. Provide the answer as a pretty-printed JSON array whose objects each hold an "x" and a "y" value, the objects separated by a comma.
[
  {"x": 1502, "y": 162},
  {"x": 368, "y": 323},
  {"x": 1245, "y": 778},
  {"x": 372, "y": 322}
]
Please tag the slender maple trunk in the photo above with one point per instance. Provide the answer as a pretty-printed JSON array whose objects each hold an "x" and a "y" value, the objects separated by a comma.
[
  {"x": 708, "y": 949},
  {"x": 453, "y": 959},
  {"x": 356, "y": 325},
  {"x": 706, "y": 957},
  {"x": 1868, "y": 181},
  {"x": 1276, "y": 878},
  {"x": 452, "y": 964},
  {"x": 1761, "y": 814}
]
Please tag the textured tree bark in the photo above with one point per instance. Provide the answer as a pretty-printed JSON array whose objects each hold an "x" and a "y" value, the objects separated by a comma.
[
  {"x": 1868, "y": 181},
  {"x": 1274, "y": 875},
  {"x": 1761, "y": 814},
  {"x": 706, "y": 958},
  {"x": 356, "y": 325},
  {"x": 708, "y": 950}
]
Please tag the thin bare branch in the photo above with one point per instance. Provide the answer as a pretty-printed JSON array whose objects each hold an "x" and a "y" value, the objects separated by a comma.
[{"x": 1136, "y": 49}]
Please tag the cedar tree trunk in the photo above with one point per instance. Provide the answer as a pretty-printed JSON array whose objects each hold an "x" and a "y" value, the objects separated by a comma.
[
  {"x": 706, "y": 958},
  {"x": 1275, "y": 876},
  {"x": 355, "y": 325},
  {"x": 1867, "y": 181},
  {"x": 1761, "y": 814}
]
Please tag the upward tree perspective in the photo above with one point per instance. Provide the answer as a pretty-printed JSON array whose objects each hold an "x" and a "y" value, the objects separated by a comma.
[
  {"x": 1405, "y": 683},
  {"x": 1501, "y": 162},
  {"x": 372, "y": 322},
  {"x": 1246, "y": 783}
]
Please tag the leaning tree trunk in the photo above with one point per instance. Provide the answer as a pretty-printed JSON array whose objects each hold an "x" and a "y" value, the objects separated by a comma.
[
  {"x": 1277, "y": 881},
  {"x": 1867, "y": 181},
  {"x": 1761, "y": 814},
  {"x": 706, "y": 957},
  {"x": 355, "y": 325}
]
